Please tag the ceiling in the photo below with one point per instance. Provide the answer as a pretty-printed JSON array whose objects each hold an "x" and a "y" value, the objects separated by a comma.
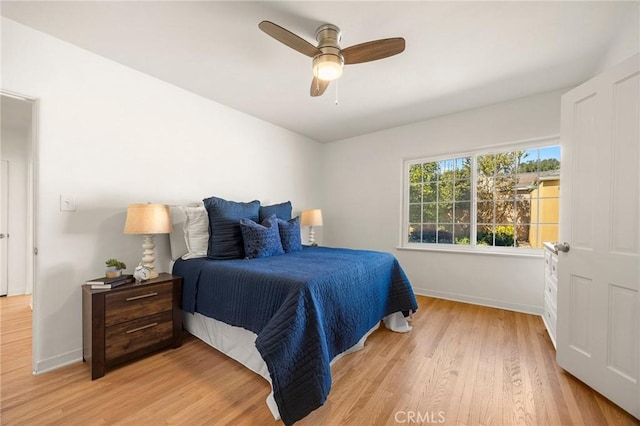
[{"x": 459, "y": 55}]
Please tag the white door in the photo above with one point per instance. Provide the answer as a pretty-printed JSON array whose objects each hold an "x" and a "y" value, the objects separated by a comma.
[
  {"x": 4, "y": 228},
  {"x": 598, "y": 278}
]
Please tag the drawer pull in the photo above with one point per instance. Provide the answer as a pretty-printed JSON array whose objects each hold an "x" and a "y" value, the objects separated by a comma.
[
  {"x": 142, "y": 328},
  {"x": 142, "y": 296}
]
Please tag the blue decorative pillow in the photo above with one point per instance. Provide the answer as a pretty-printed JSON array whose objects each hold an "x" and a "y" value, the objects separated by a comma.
[
  {"x": 290, "y": 234},
  {"x": 225, "y": 236},
  {"x": 282, "y": 211},
  {"x": 261, "y": 239}
]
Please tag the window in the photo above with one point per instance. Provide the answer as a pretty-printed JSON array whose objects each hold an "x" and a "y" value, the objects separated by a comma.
[{"x": 489, "y": 199}]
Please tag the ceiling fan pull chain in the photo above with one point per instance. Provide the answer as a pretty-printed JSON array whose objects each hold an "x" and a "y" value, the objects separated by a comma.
[{"x": 336, "y": 93}]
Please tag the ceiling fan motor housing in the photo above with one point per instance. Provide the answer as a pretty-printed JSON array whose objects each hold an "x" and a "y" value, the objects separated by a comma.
[{"x": 328, "y": 64}]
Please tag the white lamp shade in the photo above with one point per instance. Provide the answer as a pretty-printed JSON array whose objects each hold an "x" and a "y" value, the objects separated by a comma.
[
  {"x": 311, "y": 218},
  {"x": 148, "y": 219}
]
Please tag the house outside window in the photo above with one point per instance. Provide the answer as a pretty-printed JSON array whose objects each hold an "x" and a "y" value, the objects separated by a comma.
[{"x": 501, "y": 198}]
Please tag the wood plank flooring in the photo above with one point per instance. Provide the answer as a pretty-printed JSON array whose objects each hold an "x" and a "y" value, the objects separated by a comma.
[{"x": 461, "y": 365}]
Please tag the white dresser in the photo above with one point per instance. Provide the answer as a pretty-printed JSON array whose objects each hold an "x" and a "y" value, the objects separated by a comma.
[{"x": 550, "y": 290}]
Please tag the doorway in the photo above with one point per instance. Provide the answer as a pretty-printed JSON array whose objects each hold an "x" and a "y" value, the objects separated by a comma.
[{"x": 17, "y": 183}]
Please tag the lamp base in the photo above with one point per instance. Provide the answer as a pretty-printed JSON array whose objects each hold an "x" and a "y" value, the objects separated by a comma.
[
  {"x": 312, "y": 235},
  {"x": 148, "y": 258}
]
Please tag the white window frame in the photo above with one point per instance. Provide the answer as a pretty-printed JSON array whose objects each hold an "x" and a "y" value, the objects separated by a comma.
[{"x": 471, "y": 248}]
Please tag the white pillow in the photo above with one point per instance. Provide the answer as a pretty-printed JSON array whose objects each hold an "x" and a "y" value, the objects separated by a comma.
[
  {"x": 176, "y": 237},
  {"x": 196, "y": 231}
]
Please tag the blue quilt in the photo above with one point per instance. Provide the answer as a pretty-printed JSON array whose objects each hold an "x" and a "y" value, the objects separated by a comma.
[{"x": 306, "y": 307}]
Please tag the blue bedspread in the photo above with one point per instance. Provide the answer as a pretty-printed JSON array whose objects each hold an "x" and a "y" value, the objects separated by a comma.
[{"x": 306, "y": 307}]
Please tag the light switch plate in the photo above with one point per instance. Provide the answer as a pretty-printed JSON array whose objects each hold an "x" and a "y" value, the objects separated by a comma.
[{"x": 67, "y": 203}]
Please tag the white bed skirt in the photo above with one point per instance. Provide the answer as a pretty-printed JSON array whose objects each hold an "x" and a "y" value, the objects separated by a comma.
[{"x": 239, "y": 343}]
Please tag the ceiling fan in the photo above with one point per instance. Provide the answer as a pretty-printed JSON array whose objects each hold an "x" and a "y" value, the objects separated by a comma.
[{"x": 328, "y": 57}]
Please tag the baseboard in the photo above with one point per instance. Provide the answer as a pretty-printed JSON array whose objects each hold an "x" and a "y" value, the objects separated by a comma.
[
  {"x": 57, "y": 362},
  {"x": 491, "y": 303}
]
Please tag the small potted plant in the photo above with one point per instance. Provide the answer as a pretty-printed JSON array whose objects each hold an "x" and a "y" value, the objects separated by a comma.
[{"x": 114, "y": 268}]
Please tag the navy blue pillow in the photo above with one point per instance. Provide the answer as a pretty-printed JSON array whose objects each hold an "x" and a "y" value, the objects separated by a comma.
[
  {"x": 225, "y": 236},
  {"x": 261, "y": 239},
  {"x": 282, "y": 211},
  {"x": 290, "y": 234}
]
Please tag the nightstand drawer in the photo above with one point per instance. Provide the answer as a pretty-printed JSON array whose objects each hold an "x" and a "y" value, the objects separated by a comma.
[
  {"x": 551, "y": 290},
  {"x": 550, "y": 318},
  {"x": 136, "y": 303},
  {"x": 547, "y": 262},
  {"x": 138, "y": 334},
  {"x": 554, "y": 267}
]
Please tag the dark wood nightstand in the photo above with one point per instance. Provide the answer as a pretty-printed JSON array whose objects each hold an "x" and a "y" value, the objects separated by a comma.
[{"x": 130, "y": 321}]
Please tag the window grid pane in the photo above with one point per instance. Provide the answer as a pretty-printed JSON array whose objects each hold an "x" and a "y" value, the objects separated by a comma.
[{"x": 515, "y": 205}]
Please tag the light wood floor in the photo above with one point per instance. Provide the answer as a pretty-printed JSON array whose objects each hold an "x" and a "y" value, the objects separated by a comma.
[{"x": 462, "y": 364}]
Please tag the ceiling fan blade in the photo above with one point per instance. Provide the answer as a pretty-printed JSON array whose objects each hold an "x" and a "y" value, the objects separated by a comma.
[
  {"x": 373, "y": 50},
  {"x": 318, "y": 86},
  {"x": 290, "y": 39}
]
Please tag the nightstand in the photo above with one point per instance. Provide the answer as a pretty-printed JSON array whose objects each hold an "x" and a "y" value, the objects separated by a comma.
[{"x": 130, "y": 321}]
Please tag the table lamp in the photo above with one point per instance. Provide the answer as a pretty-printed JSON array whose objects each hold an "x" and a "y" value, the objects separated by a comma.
[
  {"x": 148, "y": 220},
  {"x": 311, "y": 218}
]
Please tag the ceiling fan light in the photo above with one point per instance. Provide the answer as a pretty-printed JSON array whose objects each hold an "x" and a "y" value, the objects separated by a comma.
[{"x": 327, "y": 67}]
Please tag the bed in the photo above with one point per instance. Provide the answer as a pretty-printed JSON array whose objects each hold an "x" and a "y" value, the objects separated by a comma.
[{"x": 288, "y": 317}]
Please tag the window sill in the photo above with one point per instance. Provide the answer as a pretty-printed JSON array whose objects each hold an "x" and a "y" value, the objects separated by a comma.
[{"x": 531, "y": 253}]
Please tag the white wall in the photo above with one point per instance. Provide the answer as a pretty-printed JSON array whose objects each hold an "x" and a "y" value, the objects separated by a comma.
[
  {"x": 15, "y": 146},
  {"x": 111, "y": 136},
  {"x": 362, "y": 203}
]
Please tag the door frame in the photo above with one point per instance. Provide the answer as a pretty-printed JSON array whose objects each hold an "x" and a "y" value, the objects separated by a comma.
[
  {"x": 4, "y": 226},
  {"x": 32, "y": 209}
]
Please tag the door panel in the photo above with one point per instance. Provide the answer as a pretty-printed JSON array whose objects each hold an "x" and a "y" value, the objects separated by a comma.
[
  {"x": 598, "y": 281},
  {"x": 623, "y": 308},
  {"x": 624, "y": 184},
  {"x": 582, "y": 219},
  {"x": 580, "y": 315}
]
